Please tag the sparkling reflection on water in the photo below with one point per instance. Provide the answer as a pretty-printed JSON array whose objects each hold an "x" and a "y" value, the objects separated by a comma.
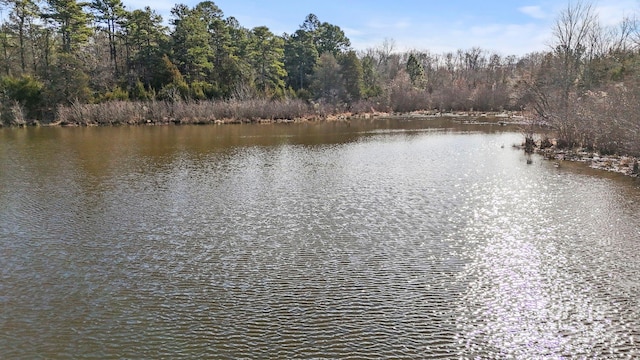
[{"x": 310, "y": 242}]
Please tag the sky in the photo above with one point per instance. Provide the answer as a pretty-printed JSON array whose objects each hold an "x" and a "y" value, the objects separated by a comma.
[{"x": 508, "y": 27}]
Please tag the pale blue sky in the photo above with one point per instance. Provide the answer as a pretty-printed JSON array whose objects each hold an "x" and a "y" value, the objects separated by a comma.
[{"x": 506, "y": 26}]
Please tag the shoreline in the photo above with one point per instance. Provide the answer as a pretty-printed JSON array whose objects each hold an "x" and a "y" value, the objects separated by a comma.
[
  {"x": 466, "y": 117},
  {"x": 619, "y": 164}
]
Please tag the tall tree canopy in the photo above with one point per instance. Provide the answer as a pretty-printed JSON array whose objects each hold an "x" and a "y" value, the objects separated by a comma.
[{"x": 71, "y": 20}]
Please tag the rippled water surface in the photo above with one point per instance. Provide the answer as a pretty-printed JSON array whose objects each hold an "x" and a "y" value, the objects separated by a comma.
[{"x": 375, "y": 239}]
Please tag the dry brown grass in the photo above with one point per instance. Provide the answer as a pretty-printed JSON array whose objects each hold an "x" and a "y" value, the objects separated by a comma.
[{"x": 186, "y": 112}]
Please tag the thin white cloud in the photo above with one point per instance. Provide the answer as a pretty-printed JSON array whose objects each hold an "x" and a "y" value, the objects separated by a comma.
[
  {"x": 486, "y": 30},
  {"x": 535, "y": 12},
  {"x": 352, "y": 32},
  {"x": 614, "y": 13},
  {"x": 506, "y": 39},
  {"x": 384, "y": 25},
  {"x": 402, "y": 24}
]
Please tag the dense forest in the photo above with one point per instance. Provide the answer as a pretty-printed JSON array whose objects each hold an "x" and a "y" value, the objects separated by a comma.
[{"x": 77, "y": 62}]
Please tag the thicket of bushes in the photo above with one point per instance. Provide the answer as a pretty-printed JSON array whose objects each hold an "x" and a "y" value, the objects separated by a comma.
[{"x": 185, "y": 112}]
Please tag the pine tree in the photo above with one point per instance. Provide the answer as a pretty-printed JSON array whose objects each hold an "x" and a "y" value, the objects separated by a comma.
[
  {"x": 415, "y": 71},
  {"x": 71, "y": 21},
  {"x": 352, "y": 75},
  {"x": 146, "y": 44},
  {"x": 300, "y": 57},
  {"x": 327, "y": 83},
  {"x": 190, "y": 42},
  {"x": 331, "y": 39},
  {"x": 21, "y": 19},
  {"x": 266, "y": 54},
  {"x": 110, "y": 13}
]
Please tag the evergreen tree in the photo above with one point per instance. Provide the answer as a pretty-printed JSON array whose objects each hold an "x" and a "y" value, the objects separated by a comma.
[
  {"x": 331, "y": 39},
  {"x": 311, "y": 24},
  {"x": 370, "y": 78},
  {"x": 25, "y": 89},
  {"x": 71, "y": 21},
  {"x": 327, "y": 83},
  {"x": 191, "y": 46},
  {"x": 146, "y": 44},
  {"x": 304, "y": 47},
  {"x": 221, "y": 77},
  {"x": 300, "y": 57},
  {"x": 7, "y": 42},
  {"x": 111, "y": 14},
  {"x": 415, "y": 71},
  {"x": 236, "y": 76},
  {"x": 352, "y": 75},
  {"x": 67, "y": 82},
  {"x": 266, "y": 54},
  {"x": 21, "y": 19}
]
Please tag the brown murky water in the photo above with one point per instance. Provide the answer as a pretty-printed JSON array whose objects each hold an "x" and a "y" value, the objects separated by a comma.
[{"x": 378, "y": 239}]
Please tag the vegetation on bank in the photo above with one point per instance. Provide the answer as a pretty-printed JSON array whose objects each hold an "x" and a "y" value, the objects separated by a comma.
[
  {"x": 72, "y": 62},
  {"x": 189, "y": 112}
]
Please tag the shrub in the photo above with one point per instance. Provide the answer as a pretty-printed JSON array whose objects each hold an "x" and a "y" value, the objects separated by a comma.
[
  {"x": 24, "y": 90},
  {"x": 116, "y": 94},
  {"x": 139, "y": 92}
]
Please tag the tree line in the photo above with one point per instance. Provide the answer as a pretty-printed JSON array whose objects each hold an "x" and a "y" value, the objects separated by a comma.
[
  {"x": 58, "y": 52},
  {"x": 64, "y": 57},
  {"x": 61, "y": 52}
]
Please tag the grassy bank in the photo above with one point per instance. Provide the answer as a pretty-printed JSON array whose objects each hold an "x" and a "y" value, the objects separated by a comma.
[
  {"x": 190, "y": 112},
  {"x": 185, "y": 112},
  {"x": 230, "y": 112}
]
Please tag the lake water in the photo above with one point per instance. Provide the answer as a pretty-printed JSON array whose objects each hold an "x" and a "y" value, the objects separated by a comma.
[{"x": 374, "y": 239}]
